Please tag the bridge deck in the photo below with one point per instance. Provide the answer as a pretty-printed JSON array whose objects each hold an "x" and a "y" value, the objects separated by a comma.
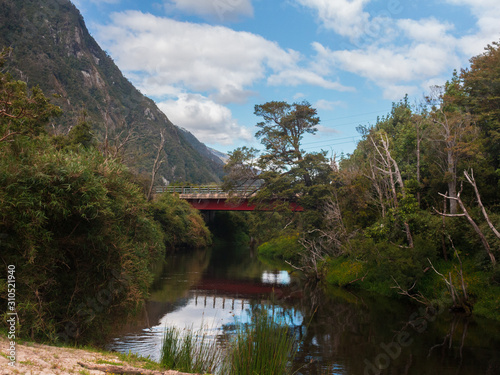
[{"x": 213, "y": 198}]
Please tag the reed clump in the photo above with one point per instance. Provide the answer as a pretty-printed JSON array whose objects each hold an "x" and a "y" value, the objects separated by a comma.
[
  {"x": 266, "y": 346},
  {"x": 191, "y": 351}
]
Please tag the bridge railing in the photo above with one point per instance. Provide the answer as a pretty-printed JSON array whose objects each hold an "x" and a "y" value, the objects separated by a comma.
[{"x": 204, "y": 190}]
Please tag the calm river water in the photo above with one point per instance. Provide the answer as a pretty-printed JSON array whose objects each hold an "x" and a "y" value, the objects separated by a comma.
[{"x": 340, "y": 331}]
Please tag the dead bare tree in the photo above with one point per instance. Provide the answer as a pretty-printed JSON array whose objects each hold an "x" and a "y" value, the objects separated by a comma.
[
  {"x": 380, "y": 187},
  {"x": 471, "y": 221},
  {"x": 459, "y": 302},
  {"x": 310, "y": 259},
  {"x": 113, "y": 146},
  {"x": 451, "y": 135},
  {"x": 391, "y": 169},
  {"x": 472, "y": 181},
  {"x": 160, "y": 156}
]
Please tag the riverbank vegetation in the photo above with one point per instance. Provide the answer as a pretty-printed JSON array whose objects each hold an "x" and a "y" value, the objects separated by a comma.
[
  {"x": 414, "y": 211},
  {"x": 267, "y": 345},
  {"x": 76, "y": 225}
]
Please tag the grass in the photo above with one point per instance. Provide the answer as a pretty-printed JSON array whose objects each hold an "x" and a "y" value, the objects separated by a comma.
[
  {"x": 29, "y": 363},
  {"x": 105, "y": 362},
  {"x": 189, "y": 351},
  {"x": 265, "y": 347}
]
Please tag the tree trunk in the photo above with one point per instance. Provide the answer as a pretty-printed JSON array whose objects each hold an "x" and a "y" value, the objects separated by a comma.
[
  {"x": 452, "y": 183},
  {"x": 156, "y": 165},
  {"x": 471, "y": 221},
  {"x": 472, "y": 181},
  {"x": 399, "y": 180},
  {"x": 418, "y": 167}
]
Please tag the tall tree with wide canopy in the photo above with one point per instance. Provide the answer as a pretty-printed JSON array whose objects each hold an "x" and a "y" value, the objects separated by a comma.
[{"x": 285, "y": 171}]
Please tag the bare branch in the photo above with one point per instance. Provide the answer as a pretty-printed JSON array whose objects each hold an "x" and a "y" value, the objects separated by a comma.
[
  {"x": 472, "y": 181},
  {"x": 419, "y": 297},
  {"x": 157, "y": 163}
]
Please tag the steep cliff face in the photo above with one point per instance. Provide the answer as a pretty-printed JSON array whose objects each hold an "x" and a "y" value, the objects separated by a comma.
[{"x": 52, "y": 48}]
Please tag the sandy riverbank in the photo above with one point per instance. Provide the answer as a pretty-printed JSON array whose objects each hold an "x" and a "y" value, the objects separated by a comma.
[{"x": 37, "y": 359}]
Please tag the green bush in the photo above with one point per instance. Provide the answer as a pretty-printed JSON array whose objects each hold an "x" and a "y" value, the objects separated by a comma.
[
  {"x": 343, "y": 271},
  {"x": 286, "y": 247},
  {"x": 182, "y": 225},
  {"x": 80, "y": 236}
]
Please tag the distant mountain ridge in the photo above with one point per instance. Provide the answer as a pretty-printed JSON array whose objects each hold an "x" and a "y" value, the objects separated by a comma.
[{"x": 52, "y": 48}]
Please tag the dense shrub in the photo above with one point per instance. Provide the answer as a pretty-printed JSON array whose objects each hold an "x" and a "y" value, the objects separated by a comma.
[
  {"x": 182, "y": 224},
  {"x": 80, "y": 236},
  {"x": 286, "y": 247}
]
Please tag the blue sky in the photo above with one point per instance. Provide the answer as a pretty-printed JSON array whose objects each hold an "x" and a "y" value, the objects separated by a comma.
[{"x": 206, "y": 63}]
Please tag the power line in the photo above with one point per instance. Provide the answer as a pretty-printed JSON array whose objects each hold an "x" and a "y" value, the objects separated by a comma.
[
  {"x": 333, "y": 144},
  {"x": 358, "y": 115},
  {"x": 330, "y": 139}
]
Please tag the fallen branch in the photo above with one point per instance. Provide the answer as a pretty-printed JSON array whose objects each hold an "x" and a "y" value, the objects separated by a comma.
[{"x": 419, "y": 297}]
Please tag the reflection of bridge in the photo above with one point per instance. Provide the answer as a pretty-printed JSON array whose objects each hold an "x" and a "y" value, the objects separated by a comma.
[
  {"x": 213, "y": 198},
  {"x": 225, "y": 292}
]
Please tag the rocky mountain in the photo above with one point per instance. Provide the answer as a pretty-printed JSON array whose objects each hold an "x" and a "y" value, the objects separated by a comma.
[{"x": 52, "y": 48}]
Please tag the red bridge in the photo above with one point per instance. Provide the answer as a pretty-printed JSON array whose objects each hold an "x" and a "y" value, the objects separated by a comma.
[{"x": 213, "y": 198}]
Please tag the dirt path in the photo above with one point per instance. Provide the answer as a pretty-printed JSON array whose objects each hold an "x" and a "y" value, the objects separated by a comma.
[{"x": 37, "y": 359}]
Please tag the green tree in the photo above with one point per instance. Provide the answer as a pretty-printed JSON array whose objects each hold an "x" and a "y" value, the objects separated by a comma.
[
  {"x": 73, "y": 224},
  {"x": 481, "y": 86},
  {"x": 22, "y": 111},
  {"x": 283, "y": 171},
  {"x": 281, "y": 133}
]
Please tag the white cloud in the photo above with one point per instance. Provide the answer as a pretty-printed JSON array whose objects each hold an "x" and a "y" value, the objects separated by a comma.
[
  {"x": 345, "y": 17},
  {"x": 427, "y": 30},
  {"x": 326, "y": 130},
  {"x": 196, "y": 57},
  {"x": 208, "y": 121},
  {"x": 400, "y": 70},
  {"x": 392, "y": 64},
  {"x": 328, "y": 104},
  {"x": 487, "y": 14},
  {"x": 222, "y": 10},
  {"x": 297, "y": 76},
  {"x": 400, "y": 55}
]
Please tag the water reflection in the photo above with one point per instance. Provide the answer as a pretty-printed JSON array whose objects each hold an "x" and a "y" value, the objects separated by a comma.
[
  {"x": 340, "y": 332},
  {"x": 194, "y": 291}
]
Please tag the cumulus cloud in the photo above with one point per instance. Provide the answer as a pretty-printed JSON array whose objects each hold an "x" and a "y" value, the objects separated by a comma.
[
  {"x": 221, "y": 10},
  {"x": 428, "y": 30},
  {"x": 399, "y": 70},
  {"x": 394, "y": 64},
  {"x": 399, "y": 54},
  {"x": 345, "y": 17},
  {"x": 208, "y": 121},
  {"x": 297, "y": 76},
  {"x": 487, "y": 14},
  {"x": 197, "y": 57}
]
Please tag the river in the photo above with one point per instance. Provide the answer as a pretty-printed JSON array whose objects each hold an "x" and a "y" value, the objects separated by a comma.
[{"x": 341, "y": 331}]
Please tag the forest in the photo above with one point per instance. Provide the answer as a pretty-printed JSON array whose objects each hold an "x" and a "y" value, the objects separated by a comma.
[{"x": 413, "y": 212}]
